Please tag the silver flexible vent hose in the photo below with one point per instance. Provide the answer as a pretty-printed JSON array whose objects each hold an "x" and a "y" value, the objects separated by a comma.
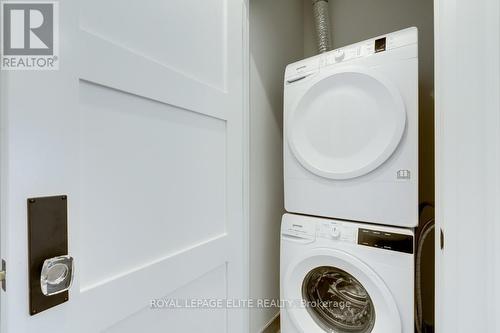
[{"x": 322, "y": 23}]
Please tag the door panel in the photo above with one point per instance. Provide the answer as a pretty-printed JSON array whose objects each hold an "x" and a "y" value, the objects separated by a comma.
[
  {"x": 145, "y": 165},
  {"x": 142, "y": 128},
  {"x": 191, "y": 42},
  {"x": 467, "y": 166},
  {"x": 158, "y": 319}
]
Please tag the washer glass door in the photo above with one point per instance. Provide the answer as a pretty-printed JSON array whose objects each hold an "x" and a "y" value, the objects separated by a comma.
[
  {"x": 337, "y": 301},
  {"x": 347, "y": 124},
  {"x": 329, "y": 290}
]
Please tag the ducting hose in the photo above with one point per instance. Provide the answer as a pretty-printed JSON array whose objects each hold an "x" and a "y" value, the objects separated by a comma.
[
  {"x": 425, "y": 232},
  {"x": 322, "y": 23}
]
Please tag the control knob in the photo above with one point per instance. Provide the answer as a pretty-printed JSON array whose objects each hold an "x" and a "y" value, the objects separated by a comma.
[
  {"x": 339, "y": 55},
  {"x": 335, "y": 232}
]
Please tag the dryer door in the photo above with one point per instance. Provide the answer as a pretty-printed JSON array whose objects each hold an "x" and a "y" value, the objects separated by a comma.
[
  {"x": 347, "y": 124},
  {"x": 332, "y": 291}
]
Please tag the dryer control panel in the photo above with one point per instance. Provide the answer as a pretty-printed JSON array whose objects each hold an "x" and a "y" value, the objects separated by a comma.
[
  {"x": 307, "y": 67},
  {"x": 372, "y": 46}
]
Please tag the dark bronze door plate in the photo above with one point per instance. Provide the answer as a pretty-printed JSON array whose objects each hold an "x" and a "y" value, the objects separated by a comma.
[{"x": 47, "y": 238}]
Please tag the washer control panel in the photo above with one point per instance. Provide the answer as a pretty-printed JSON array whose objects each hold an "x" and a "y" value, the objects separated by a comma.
[
  {"x": 385, "y": 240},
  {"x": 336, "y": 230},
  {"x": 299, "y": 229},
  {"x": 352, "y": 233},
  {"x": 309, "y": 229}
]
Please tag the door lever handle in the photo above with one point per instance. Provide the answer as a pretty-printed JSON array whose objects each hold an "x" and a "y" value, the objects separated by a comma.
[{"x": 56, "y": 275}]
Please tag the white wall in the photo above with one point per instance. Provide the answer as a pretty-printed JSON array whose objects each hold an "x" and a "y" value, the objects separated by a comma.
[
  {"x": 276, "y": 39},
  {"x": 468, "y": 165}
]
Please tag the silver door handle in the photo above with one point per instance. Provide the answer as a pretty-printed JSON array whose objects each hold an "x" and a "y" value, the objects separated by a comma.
[{"x": 57, "y": 275}]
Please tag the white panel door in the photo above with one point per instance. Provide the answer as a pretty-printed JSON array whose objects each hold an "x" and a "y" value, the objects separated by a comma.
[
  {"x": 142, "y": 128},
  {"x": 467, "y": 166}
]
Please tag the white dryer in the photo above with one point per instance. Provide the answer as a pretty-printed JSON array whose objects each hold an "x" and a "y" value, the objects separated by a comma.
[
  {"x": 341, "y": 277},
  {"x": 351, "y": 132}
]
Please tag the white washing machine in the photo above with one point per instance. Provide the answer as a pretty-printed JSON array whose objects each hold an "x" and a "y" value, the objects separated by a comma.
[
  {"x": 351, "y": 132},
  {"x": 341, "y": 277}
]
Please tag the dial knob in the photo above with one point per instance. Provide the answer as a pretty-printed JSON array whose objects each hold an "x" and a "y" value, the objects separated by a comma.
[
  {"x": 339, "y": 55},
  {"x": 335, "y": 232}
]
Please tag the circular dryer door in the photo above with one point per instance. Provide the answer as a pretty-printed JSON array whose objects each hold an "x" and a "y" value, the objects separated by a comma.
[
  {"x": 332, "y": 291},
  {"x": 347, "y": 124}
]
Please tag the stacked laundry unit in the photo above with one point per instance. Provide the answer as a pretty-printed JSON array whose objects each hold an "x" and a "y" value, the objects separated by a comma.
[{"x": 351, "y": 188}]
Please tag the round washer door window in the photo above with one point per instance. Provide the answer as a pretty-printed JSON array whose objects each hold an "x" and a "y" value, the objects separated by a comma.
[
  {"x": 335, "y": 277},
  {"x": 347, "y": 124},
  {"x": 337, "y": 301}
]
